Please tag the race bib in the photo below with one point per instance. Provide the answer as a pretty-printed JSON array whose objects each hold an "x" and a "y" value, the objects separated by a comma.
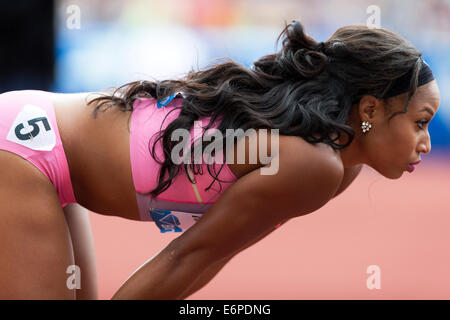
[
  {"x": 175, "y": 221},
  {"x": 32, "y": 129}
]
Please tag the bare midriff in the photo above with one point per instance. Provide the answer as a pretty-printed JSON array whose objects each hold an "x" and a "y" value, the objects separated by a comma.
[{"x": 97, "y": 151}]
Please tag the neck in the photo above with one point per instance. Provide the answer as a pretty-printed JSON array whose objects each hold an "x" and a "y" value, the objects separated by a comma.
[{"x": 353, "y": 154}]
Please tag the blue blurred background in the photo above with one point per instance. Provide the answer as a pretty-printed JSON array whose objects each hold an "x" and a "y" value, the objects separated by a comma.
[{"x": 98, "y": 44}]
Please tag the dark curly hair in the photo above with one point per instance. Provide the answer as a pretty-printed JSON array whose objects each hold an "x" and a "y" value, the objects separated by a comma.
[{"x": 306, "y": 89}]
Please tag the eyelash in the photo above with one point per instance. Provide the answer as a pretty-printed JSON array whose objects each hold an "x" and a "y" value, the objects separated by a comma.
[{"x": 422, "y": 122}]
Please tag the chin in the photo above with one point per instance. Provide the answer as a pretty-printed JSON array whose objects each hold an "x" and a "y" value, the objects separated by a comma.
[{"x": 392, "y": 175}]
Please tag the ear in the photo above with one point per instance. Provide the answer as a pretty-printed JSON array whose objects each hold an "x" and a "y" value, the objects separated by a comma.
[{"x": 370, "y": 109}]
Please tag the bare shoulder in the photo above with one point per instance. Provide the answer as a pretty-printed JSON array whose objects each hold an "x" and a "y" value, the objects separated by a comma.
[
  {"x": 312, "y": 173},
  {"x": 291, "y": 146},
  {"x": 297, "y": 151},
  {"x": 297, "y": 171}
]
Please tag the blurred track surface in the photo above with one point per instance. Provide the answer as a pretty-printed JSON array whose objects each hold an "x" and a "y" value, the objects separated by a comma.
[{"x": 402, "y": 226}]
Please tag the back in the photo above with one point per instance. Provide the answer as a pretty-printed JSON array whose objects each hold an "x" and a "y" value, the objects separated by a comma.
[{"x": 181, "y": 205}]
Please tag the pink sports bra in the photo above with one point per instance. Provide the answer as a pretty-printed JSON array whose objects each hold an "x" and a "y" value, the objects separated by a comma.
[{"x": 182, "y": 204}]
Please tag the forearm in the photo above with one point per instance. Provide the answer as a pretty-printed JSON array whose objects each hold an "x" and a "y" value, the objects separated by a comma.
[
  {"x": 205, "y": 277},
  {"x": 78, "y": 222},
  {"x": 162, "y": 277},
  {"x": 212, "y": 271},
  {"x": 165, "y": 277}
]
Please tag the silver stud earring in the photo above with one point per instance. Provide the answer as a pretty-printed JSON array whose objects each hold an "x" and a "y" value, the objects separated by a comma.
[{"x": 366, "y": 126}]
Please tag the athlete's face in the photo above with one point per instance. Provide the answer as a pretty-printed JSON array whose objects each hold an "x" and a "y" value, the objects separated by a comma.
[{"x": 389, "y": 147}]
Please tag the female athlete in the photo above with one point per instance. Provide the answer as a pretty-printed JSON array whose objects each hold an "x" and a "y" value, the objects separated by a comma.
[{"x": 364, "y": 96}]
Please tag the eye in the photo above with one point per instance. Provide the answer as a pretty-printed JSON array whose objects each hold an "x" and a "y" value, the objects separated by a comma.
[{"x": 421, "y": 123}]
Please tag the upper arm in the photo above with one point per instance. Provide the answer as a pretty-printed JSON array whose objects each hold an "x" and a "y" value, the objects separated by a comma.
[{"x": 256, "y": 203}]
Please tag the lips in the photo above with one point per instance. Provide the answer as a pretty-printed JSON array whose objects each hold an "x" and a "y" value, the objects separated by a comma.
[{"x": 411, "y": 166}]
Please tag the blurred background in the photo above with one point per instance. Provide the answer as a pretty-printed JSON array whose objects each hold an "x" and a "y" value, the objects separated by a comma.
[
  {"x": 401, "y": 226},
  {"x": 89, "y": 45}
]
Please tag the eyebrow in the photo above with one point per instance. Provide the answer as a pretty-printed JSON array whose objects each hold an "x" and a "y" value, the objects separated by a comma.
[{"x": 427, "y": 110}]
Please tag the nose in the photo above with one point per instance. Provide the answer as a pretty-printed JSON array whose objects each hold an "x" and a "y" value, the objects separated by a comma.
[{"x": 425, "y": 145}]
